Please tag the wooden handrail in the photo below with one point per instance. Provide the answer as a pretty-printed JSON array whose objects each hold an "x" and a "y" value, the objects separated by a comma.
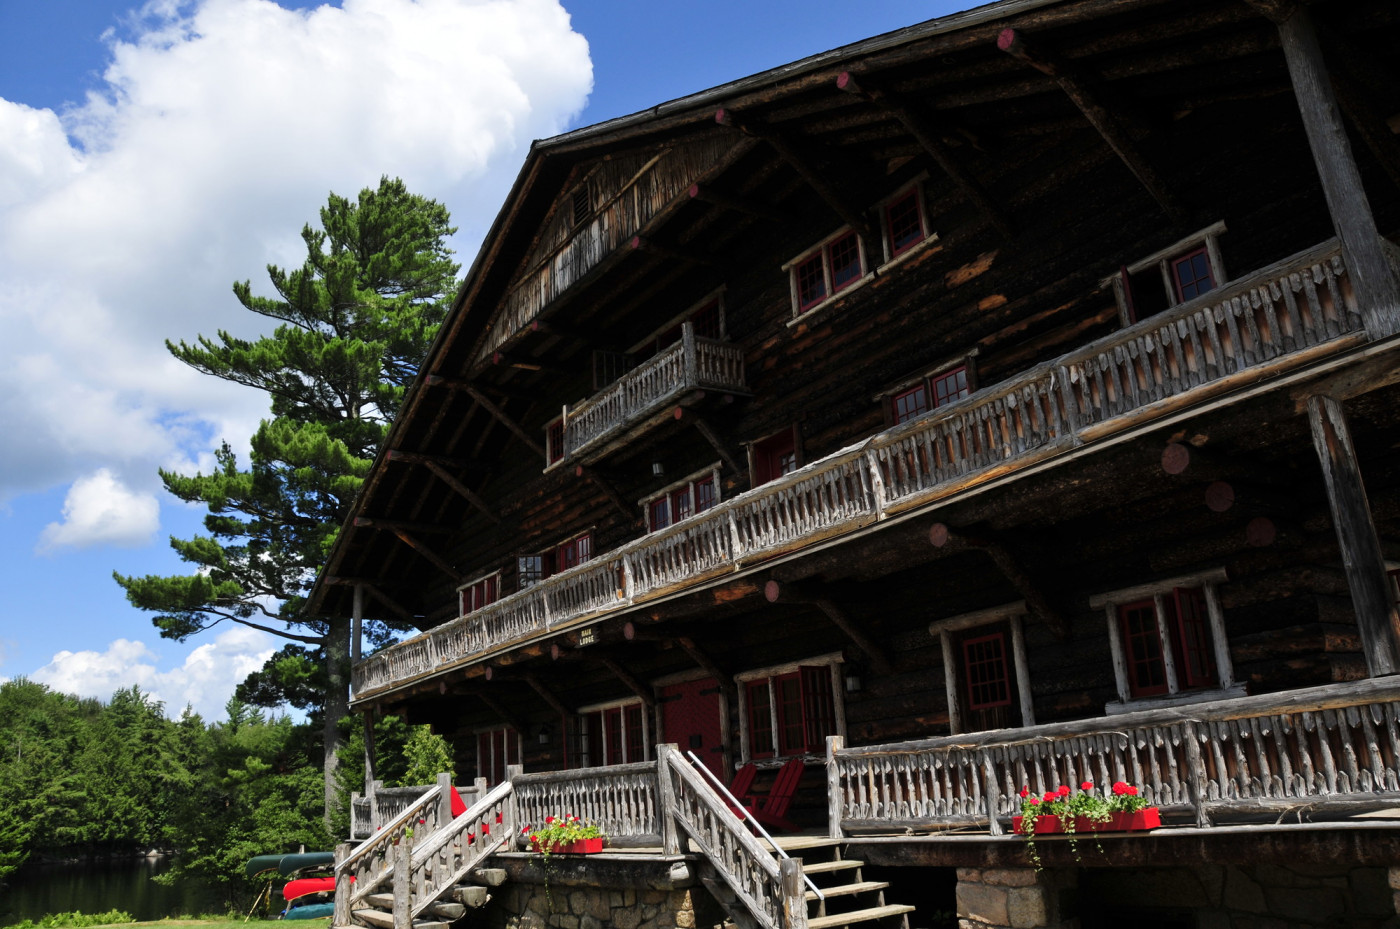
[{"x": 460, "y": 845}]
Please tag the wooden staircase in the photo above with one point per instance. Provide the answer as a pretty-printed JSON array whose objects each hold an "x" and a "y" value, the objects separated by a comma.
[
  {"x": 378, "y": 909},
  {"x": 850, "y": 899}
]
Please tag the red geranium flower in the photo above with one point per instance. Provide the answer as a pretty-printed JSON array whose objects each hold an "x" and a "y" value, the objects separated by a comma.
[
  {"x": 1025, "y": 792},
  {"x": 1064, "y": 790},
  {"x": 1087, "y": 785}
]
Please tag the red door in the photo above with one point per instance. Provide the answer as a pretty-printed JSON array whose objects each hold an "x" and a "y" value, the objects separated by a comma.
[{"x": 690, "y": 719}]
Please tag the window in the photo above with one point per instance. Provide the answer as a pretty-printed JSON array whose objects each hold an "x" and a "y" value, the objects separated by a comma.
[
  {"x": 790, "y": 710},
  {"x": 479, "y": 593},
  {"x": 1168, "y": 642},
  {"x": 532, "y": 569},
  {"x": 707, "y": 317},
  {"x": 774, "y": 456},
  {"x": 613, "y": 733},
  {"x": 496, "y": 748},
  {"x": 554, "y": 441},
  {"x": 986, "y": 676},
  {"x": 573, "y": 552},
  {"x": 826, "y": 270},
  {"x": 695, "y": 494},
  {"x": 1174, "y": 275},
  {"x": 930, "y": 392},
  {"x": 904, "y": 223}
]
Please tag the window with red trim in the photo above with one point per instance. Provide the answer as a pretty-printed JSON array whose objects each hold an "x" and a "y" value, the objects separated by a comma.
[
  {"x": 1195, "y": 656},
  {"x": 614, "y": 735},
  {"x": 1187, "y": 634},
  {"x": 829, "y": 269},
  {"x": 1191, "y": 275},
  {"x": 794, "y": 712},
  {"x": 949, "y": 385},
  {"x": 681, "y": 502},
  {"x": 904, "y": 223},
  {"x": 495, "y": 749},
  {"x": 554, "y": 440},
  {"x": 986, "y": 671},
  {"x": 532, "y": 569},
  {"x": 705, "y": 494},
  {"x": 1142, "y": 647},
  {"x": 909, "y": 404},
  {"x": 774, "y": 456},
  {"x": 574, "y": 552},
  {"x": 479, "y": 593}
]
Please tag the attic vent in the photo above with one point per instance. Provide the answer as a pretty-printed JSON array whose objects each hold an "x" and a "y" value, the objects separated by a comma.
[{"x": 583, "y": 204}]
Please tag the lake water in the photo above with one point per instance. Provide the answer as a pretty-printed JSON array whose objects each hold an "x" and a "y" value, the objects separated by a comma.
[{"x": 96, "y": 887}]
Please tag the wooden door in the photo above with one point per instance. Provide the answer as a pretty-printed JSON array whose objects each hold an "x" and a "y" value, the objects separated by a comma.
[{"x": 690, "y": 719}]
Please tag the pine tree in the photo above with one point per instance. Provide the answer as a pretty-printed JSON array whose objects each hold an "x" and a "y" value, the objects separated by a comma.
[{"x": 356, "y": 319}]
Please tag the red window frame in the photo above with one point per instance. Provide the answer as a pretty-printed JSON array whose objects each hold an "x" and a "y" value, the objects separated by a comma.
[
  {"x": 809, "y": 277},
  {"x": 554, "y": 440},
  {"x": 531, "y": 569},
  {"x": 573, "y": 552},
  {"x": 902, "y": 234},
  {"x": 1195, "y": 657},
  {"x": 616, "y": 734},
  {"x": 909, "y": 404},
  {"x": 681, "y": 503},
  {"x": 658, "y": 514},
  {"x": 1188, "y": 635},
  {"x": 774, "y": 456},
  {"x": 495, "y": 749},
  {"x": 947, "y": 386},
  {"x": 705, "y": 495},
  {"x": 806, "y": 712},
  {"x": 1192, "y": 274},
  {"x": 480, "y": 593},
  {"x": 844, "y": 260},
  {"x": 829, "y": 269},
  {"x": 986, "y": 671},
  {"x": 1142, "y": 648}
]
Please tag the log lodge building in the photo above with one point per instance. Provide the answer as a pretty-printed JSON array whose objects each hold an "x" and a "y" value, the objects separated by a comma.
[{"x": 1006, "y": 401}]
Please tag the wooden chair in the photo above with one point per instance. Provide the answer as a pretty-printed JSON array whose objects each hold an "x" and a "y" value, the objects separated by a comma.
[
  {"x": 740, "y": 786},
  {"x": 771, "y": 808}
]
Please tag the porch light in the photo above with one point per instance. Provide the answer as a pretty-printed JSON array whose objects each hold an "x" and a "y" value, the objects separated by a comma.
[
  {"x": 544, "y": 735},
  {"x": 852, "y": 683},
  {"x": 657, "y": 469}
]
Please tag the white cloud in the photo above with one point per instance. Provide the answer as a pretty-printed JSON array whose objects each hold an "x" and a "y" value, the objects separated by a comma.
[
  {"x": 205, "y": 681},
  {"x": 220, "y": 128},
  {"x": 99, "y": 510}
]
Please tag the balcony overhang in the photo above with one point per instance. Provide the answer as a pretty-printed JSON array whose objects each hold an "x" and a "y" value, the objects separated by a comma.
[{"x": 1282, "y": 326}]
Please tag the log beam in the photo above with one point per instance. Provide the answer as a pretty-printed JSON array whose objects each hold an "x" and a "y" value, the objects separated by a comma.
[
  {"x": 471, "y": 496},
  {"x": 459, "y": 383},
  {"x": 571, "y": 333},
  {"x": 643, "y": 692},
  {"x": 408, "y": 525},
  {"x": 940, "y": 536},
  {"x": 653, "y": 247},
  {"x": 456, "y": 464},
  {"x": 921, "y": 127},
  {"x": 603, "y": 484},
  {"x": 737, "y": 204},
  {"x": 1376, "y": 283},
  {"x": 713, "y": 438},
  {"x": 1371, "y": 592},
  {"x": 776, "y": 592},
  {"x": 504, "y": 419},
  {"x": 546, "y": 694},
  {"x": 1115, "y": 126},
  {"x": 430, "y": 555},
  {"x": 374, "y": 591},
  {"x": 505, "y": 715},
  {"x": 507, "y": 360},
  {"x": 803, "y": 165}
]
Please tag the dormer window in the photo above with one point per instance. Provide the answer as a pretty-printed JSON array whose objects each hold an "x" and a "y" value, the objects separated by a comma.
[{"x": 824, "y": 271}]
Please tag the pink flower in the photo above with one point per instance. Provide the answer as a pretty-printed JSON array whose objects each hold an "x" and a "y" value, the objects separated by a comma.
[
  {"x": 1035, "y": 800},
  {"x": 1087, "y": 785}
]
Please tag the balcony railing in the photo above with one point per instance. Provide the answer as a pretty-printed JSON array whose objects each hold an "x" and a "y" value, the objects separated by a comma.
[
  {"x": 1331, "y": 748},
  {"x": 640, "y": 394},
  {"x": 1283, "y": 317}
]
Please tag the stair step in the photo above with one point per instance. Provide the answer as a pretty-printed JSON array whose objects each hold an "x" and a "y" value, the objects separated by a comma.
[
  {"x": 858, "y": 916},
  {"x": 842, "y": 890},
  {"x": 383, "y": 920},
  {"x": 802, "y": 842},
  {"x": 820, "y": 867},
  {"x": 380, "y": 901}
]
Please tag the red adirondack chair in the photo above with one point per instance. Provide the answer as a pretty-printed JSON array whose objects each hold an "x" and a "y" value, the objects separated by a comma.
[
  {"x": 740, "y": 786},
  {"x": 771, "y": 808}
]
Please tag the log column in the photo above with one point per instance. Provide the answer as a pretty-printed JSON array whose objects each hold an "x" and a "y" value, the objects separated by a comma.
[
  {"x": 1371, "y": 592},
  {"x": 1377, "y": 287}
]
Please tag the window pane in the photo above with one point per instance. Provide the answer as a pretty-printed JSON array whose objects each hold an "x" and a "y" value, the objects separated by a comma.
[
  {"x": 706, "y": 320},
  {"x": 680, "y": 504},
  {"x": 905, "y": 226},
  {"x": 984, "y": 665},
  {"x": 950, "y": 386},
  {"x": 811, "y": 284},
  {"x": 818, "y": 706},
  {"x": 791, "y": 732},
  {"x": 1192, "y": 275},
  {"x": 532, "y": 570},
  {"x": 658, "y": 514},
  {"x": 704, "y": 494},
  {"x": 910, "y": 404},
  {"x": 636, "y": 744},
  {"x": 1142, "y": 646},
  {"x": 760, "y": 719},
  {"x": 612, "y": 736},
  {"x": 1197, "y": 664},
  {"x": 845, "y": 260},
  {"x": 554, "y": 440}
]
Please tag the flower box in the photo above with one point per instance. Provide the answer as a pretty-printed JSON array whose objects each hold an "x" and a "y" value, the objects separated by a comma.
[
  {"x": 581, "y": 847},
  {"x": 1044, "y": 825},
  {"x": 1149, "y": 818}
]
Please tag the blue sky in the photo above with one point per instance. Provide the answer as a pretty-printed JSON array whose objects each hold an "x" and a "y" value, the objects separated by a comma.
[{"x": 149, "y": 156}]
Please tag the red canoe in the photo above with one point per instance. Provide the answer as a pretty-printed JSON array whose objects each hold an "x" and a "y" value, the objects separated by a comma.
[{"x": 308, "y": 885}]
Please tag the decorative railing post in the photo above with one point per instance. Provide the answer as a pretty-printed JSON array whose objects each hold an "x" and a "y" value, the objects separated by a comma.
[
  {"x": 444, "y": 807},
  {"x": 511, "y": 814},
  {"x": 691, "y": 358},
  {"x": 629, "y": 585},
  {"x": 992, "y": 795},
  {"x": 403, "y": 883},
  {"x": 667, "y": 755},
  {"x": 794, "y": 894},
  {"x": 1197, "y": 779},
  {"x": 834, "y": 799},
  {"x": 877, "y": 483},
  {"x": 375, "y": 820},
  {"x": 342, "y": 885}
]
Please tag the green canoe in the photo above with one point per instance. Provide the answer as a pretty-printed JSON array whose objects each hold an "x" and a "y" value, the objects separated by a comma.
[
  {"x": 261, "y": 863},
  {"x": 303, "y": 861}
]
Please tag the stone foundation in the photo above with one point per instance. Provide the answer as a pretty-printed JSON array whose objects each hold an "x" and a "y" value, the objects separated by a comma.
[
  {"x": 533, "y": 907},
  {"x": 1015, "y": 898}
]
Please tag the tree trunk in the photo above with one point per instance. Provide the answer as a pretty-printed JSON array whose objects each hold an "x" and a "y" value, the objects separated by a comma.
[{"x": 337, "y": 702}]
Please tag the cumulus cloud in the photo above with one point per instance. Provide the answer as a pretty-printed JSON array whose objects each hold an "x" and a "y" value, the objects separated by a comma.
[
  {"x": 220, "y": 127},
  {"x": 205, "y": 681},
  {"x": 99, "y": 510}
]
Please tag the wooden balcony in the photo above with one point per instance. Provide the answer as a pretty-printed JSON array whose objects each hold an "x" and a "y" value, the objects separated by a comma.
[
  {"x": 1288, "y": 317},
  {"x": 1330, "y": 749},
  {"x": 647, "y": 393}
]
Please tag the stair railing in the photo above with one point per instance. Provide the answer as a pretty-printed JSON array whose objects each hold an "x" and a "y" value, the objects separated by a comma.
[
  {"x": 735, "y": 804},
  {"x": 461, "y": 844},
  {"x": 372, "y": 861},
  {"x": 767, "y": 891}
]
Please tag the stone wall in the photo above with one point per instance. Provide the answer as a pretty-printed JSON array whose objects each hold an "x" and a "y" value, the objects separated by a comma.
[
  {"x": 1016, "y": 898},
  {"x": 533, "y": 906}
]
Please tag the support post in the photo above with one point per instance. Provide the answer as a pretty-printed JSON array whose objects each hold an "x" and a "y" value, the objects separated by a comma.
[
  {"x": 1377, "y": 287},
  {"x": 667, "y": 755},
  {"x": 403, "y": 887},
  {"x": 370, "y": 782},
  {"x": 834, "y": 804},
  {"x": 794, "y": 894},
  {"x": 357, "y": 616},
  {"x": 510, "y": 815},
  {"x": 444, "y": 806},
  {"x": 375, "y": 820},
  {"x": 342, "y": 885},
  {"x": 1371, "y": 595}
]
